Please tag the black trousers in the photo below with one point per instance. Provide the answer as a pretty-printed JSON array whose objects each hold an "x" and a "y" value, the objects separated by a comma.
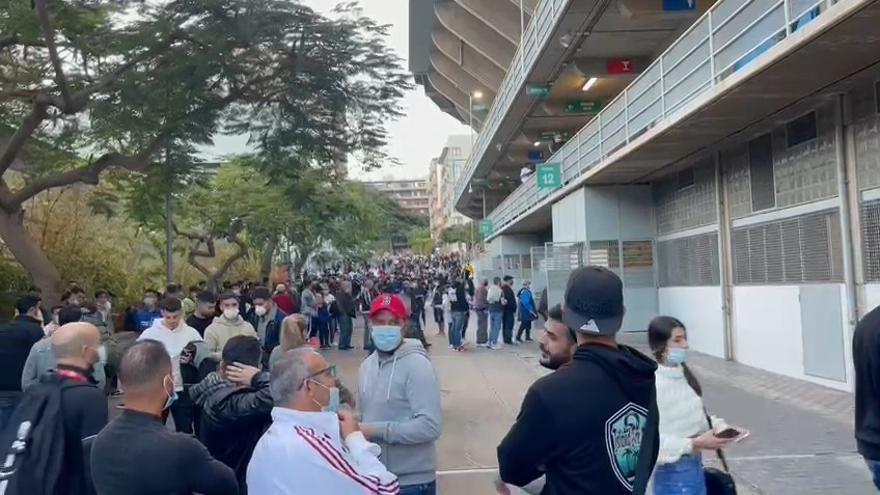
[
  {"x": 524, "y": 326},
  {"x": 467, "y": 320},
  {"x": 507, "y": 327},
  {"x": 182, "y": 412},
  {"x": 438, "y": 318}
]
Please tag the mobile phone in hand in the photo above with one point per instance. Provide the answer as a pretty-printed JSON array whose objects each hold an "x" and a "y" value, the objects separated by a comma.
[{"x": 727, "y": 433}]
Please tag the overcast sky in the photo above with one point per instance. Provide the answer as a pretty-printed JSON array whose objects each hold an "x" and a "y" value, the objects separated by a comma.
[{"x": 415, "y": 138}]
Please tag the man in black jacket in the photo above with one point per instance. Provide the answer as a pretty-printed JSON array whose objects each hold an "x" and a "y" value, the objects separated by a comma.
[
  {"x": 509, "y": 308},
  {"x": 586, "y": 444},
  {"x": 236, "y": 405},
  {"x": 136, "y": 454},
  {"x": 16, "y": 340},
  {"x": 866, "y": 357}
]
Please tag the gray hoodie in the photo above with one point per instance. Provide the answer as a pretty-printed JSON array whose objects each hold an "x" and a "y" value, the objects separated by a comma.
[{"x": 399, "y": 398}]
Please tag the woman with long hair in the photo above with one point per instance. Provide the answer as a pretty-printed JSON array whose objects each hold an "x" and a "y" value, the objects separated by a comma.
[
  {"x": 685, "y": 431},
  {"x": 294, "y": 334}
]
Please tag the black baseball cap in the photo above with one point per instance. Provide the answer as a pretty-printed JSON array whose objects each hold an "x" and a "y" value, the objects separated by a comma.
[{"x": 593, "y": 301}]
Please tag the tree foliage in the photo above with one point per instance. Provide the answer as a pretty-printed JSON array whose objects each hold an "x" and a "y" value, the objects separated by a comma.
[{"x": 90, "y": 86}]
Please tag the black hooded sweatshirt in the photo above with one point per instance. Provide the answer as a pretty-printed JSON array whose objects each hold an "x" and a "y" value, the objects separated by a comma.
[{"x": 582, "y": 425}]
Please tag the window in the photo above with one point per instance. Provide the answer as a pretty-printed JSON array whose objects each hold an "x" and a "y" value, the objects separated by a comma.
[
  {"x": 801, "y": 130},
  {"x": 761, "y": 173},
  {"x": 638, "y": 263},
  {"x": 689, "y": 261},
  {"x": 455, "y": 151},
  {"x": 685, "y": 178},
  {"x": 605, "y": 253}
]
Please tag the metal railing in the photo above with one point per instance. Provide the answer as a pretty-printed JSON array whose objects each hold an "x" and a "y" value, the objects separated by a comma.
[
  {"x": 534, "y": 38},
  {"x": 728, "y": 37}
]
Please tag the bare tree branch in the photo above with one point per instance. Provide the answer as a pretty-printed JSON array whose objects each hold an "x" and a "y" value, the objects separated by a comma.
[
  {"x": 21, "y": 136},
  {"x": 49, "y": 35}
]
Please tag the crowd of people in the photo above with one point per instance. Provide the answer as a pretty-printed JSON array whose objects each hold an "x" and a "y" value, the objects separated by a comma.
[{"x": 257, "y": 407}]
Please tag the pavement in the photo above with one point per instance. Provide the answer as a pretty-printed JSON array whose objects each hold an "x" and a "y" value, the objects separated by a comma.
[{"x": 802, "y": 434}]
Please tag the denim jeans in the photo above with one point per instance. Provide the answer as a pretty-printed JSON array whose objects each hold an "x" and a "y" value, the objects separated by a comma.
[
  {"x": 8, "y": 404},
  {"x": 874, "y": 466},
  {"x": 683, "y": 477},
  {"x": 496, "y": 319},
  {"x": 424, "y": 489},
  {"x": 346, "y": 327},
  {"x": 455, "y": 331}
]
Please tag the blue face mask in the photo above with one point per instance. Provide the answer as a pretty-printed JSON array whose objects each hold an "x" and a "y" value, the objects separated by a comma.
[
  {"x": 386, "y": 338},
  {"x": 333, "y": 404},
  {"x": 171, "y": 397},
  {"x": 676, "y": 355}
]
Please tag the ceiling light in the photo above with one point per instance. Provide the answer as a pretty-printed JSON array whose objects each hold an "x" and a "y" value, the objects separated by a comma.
[
  {"x": 537, "y": 143},
  {"x": 589, "y": 84},
  {"x": 477, "y": 95}
]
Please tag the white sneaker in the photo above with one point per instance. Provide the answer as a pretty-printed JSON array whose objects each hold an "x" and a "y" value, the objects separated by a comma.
[{"x": 451, "y": 346}]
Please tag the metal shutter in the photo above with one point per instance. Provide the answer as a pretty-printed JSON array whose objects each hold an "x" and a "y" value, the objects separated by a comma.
[
  {"x": 689, "y": 261},
  {"x": 638, "y": 264},
  {"x": 871, "y": 240}
]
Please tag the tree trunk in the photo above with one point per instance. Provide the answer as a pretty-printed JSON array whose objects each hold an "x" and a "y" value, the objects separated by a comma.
[
  {"x": 267, "y": 258},
  {"x": 169, "y": 239},
  {"x": 28, "y": 253}
]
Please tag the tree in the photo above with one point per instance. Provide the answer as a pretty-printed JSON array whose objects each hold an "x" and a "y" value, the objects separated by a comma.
[
  {"x": 84, "y": 89},
  {"x": 420, "y": 241},
  {"x": 464, "y": 233}
]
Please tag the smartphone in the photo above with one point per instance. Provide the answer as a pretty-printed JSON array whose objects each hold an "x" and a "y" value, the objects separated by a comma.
[{"x": 728, "y": 433}]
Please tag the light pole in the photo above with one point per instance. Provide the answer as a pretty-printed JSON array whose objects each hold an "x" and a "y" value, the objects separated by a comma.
[{"x": 475, "y": 95}]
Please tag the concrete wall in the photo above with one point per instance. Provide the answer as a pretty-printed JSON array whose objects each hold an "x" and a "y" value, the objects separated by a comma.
[
  {"x": 699, "y": 308},
  {"x": 570, "y": 218}
]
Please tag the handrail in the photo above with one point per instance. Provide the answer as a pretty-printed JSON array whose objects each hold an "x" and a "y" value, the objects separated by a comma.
[{"x": 675, "y": 88}]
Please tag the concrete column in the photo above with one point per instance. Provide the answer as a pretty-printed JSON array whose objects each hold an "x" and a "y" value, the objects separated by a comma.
[
  {"x": 475, "y": 33},
  {"x": 725, "y": 256}
]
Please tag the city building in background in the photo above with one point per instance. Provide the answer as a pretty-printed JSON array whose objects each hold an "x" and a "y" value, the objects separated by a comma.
[
  {"x": 691, "y": 146},
  {"x": 444, "y": 173},
  {"x": 411, "y": 195}
]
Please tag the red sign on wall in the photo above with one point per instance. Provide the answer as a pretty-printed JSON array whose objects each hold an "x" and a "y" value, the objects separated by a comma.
[{"x": 620, "y": 65}]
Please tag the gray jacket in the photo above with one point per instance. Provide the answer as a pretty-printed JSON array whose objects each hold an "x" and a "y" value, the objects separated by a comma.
[
  {"x": 399, "y": 398},
  {"x": 41, "y": 360}
]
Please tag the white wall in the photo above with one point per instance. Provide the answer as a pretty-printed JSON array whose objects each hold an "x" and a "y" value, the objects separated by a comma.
[
  {"x": 872, "y": 297},
  {"x": 699, "y": 308},
  {"x": 570, "y": 218},
  {"x": 767, "y": 331},
  {"x": 519, "y": 243}
]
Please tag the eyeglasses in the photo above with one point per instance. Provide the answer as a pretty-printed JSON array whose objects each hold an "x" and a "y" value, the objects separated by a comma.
[{"x": 330, "y": 370}]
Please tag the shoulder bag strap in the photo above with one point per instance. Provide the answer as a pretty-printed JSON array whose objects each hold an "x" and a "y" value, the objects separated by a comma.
[
  {"x": 718, "y": 452},
  {"x": 647, "y": 447}
]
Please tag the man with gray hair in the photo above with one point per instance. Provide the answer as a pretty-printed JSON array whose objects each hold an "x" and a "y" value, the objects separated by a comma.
[{"x": 311, "y": 432}]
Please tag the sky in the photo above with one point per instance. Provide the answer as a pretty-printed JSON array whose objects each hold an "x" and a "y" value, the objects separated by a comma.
[{"x": 415, "y": 138}]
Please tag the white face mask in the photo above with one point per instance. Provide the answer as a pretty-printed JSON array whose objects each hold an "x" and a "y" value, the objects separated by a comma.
[
  {"x": 260, "y": 310},
  {"x": 230, "y": 313}
]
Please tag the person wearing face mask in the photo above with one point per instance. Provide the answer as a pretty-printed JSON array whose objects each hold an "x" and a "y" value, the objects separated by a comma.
[
  {"x": 143, "y": 317},
  {"x": 266, "y": 319},
  {"x": 104, "y": 305},
  {"x": 229, "y": 324},
  {"x": 136, "y": 454},
  {"x": 179, "y": 340},
  {"x": 399, "y": 399},
  {"x": 313, "y": 433},
  {"x": 685, "y": 428}
]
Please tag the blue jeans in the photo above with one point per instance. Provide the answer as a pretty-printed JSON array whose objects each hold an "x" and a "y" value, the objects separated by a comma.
[
  {"x": 874, "y": 466},
  {"x": 8, "y": 404},
  {"x": 457, "y": 326},
  {"x": 683, "y": 477},
  {"x": 425, "y": 489},
  {"x": 496, "y": 319}
]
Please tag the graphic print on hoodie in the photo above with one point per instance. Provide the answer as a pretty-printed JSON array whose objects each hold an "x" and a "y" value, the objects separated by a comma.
[{"x": 399, "y": 396}]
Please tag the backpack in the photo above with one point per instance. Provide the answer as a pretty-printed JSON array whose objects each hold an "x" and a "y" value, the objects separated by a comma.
[{"x": 34, "y": 442}]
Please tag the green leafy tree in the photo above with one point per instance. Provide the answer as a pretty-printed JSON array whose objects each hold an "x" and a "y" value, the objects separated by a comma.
[
  {"x": 90, "y": 86},
  {"x": 420, "y": 241}
]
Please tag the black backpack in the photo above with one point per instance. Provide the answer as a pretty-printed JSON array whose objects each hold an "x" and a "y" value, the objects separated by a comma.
[{"x": 34, "y": 443}]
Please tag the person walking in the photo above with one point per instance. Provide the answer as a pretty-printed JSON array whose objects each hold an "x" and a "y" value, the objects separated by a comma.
[
  {"x": 347, "y": 313},
  {"x": 16, "y": 340},
  {"x": 866, "y": 349},
  {"x": 136, "y": 454},
  {"x": 599, "y": 443},
  {"x": 527, "y": 312},
  {"x": 481, "y": 308},
  {"x": 226, "y": 326},
  {"x": 399, "y": 399},
  {"x": 179, "y": 340},
  {"x": 494, "y": 295},
  {"x": 320, "y": 443},
  {"x": 686, "y": 430},
  {"x": 235, "y": 404},
  {"x": 458, "y": 305},
  {"x": 321, "y": 321},
  {"x": 365, "y": 302},
  {"x": 437, "y": 304},
  {"x": 508, "y": 304}
]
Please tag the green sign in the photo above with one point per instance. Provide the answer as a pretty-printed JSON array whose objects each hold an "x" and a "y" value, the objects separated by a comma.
[
  {"x": 479, "y": 107},
  {"x": 486, "y": 227},
  {"x": 539, "y": 91},
  {"x": 549, "y": 176},
  {"x": 479, "y": 184},
  {"x": 549, "y": 135},
  {"x": 583, "y": 107}
]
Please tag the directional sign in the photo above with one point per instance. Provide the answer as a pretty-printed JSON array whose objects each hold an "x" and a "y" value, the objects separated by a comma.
[
  {"x": 549, "y": 135},
  {"x": 549, "y": 176},
  {"x": 486, "y": 227},
  {"x": 479, "y": 183},
  {"x": 620, "y": 66},
  {"x": 536, "y": 156},
  {"x": 479, "y": 107},
  {"x": 539, "y": 91},
  {"x": 583, "y": 107},
  {"x": 679, "y": 5}
]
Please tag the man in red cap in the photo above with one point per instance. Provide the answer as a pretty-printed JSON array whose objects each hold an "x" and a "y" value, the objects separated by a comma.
[{"x": 399, "y": 399}]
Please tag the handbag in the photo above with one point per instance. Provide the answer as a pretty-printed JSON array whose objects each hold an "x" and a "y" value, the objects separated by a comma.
[{"x": 718, "y": 481}]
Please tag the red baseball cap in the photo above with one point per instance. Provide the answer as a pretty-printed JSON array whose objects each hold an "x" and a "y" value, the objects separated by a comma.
[{"x": 391, "y": 303}]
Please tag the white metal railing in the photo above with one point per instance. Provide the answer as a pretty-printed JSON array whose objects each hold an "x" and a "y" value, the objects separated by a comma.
[
  {"x": 729, "y": 36},
  {"x": 534, "y": 38}
]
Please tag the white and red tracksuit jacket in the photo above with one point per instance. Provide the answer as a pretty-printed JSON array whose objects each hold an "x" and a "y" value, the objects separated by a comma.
[{"x": 302, "y": 454}]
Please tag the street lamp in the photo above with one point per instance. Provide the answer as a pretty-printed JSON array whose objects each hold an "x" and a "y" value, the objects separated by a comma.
[{"x": 475, "y": 95}]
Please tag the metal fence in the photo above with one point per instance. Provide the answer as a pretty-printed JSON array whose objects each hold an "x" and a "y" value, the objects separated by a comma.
[{"x": 731, "y": 35}]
